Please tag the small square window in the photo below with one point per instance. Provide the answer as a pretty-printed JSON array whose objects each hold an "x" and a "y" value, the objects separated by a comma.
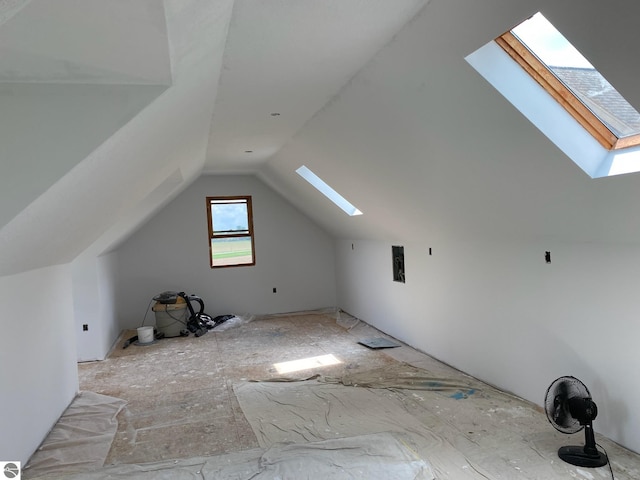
[{"x": 230, "y": 221}]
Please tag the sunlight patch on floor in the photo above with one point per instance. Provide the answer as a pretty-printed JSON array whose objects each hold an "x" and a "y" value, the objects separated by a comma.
[{"x": 306, "y": 363}]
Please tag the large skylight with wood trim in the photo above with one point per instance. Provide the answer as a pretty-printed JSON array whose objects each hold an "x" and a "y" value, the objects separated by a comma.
[
  {"x": 564, "y": 96},
  {"x": 569, "y": 77}
]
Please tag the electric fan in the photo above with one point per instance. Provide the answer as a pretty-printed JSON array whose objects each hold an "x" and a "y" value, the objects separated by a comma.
[{"x": 569, "y": 408}]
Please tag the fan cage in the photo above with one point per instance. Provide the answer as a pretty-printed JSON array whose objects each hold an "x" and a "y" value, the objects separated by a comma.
[{"x": 556, "y": 406}]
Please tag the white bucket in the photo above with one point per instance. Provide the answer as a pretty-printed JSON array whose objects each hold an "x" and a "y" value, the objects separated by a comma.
[{"x": 145, "y": 335}]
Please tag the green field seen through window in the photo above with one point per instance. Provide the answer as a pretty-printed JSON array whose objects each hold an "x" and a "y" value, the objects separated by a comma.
[{"x": 228, "y": 248}]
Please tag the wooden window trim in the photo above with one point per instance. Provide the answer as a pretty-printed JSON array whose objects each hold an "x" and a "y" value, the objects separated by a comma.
[
  {"x": 211, "y": 236},
  {"x": 547, "y": 80},
  {"x": 626, "y": 142}
]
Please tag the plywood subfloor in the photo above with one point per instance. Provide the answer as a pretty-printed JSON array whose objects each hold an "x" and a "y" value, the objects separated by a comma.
[
  {"x": 182, "y": 406},
  {"x": 180, "y": 390}
]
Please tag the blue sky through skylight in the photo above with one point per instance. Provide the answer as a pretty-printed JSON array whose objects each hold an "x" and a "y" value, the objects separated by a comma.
[
  {"x": 549, "y": 44},
  {"x": 608, "y": 148},
  {"x": 578, "y": 75}
]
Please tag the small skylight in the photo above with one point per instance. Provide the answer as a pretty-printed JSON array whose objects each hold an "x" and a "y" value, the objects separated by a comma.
[
  {"x": 552, "y": 84},
  {"x": 327, "y": 191}
]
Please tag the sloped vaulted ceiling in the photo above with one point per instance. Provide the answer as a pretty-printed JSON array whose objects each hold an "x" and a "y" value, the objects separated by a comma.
[
  {"x": 430, "y": 152},
  {"x": 109, "y": 108},
  {"x": 68, "y": 80},
  {"x": 101, "y": 101},
  {"x": 284, "y": 61}
]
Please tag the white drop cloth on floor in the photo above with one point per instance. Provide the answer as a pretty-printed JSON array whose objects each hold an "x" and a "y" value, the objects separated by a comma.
[
  {"x": 484, "y": 434},
  {"x": 370, "y": 456},
  {"x": 310, "y": 411},
  {"x": 80, "y": 440},
  {"x": 379, "y": 456}
]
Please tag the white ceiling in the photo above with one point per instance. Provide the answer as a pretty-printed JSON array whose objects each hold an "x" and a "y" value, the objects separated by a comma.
[
  {"x": 110, "y": 108},
  {"x": 109, "y": 99},
  {"x": 85, "y": 41},
  {"x": 290, "y": 57},
  {"x": 72, "y": 73},
  {"x": 10, "y": 8}
]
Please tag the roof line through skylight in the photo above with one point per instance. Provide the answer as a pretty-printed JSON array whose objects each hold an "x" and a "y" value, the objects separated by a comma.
[
  {"x": 568, "y": 76},
  {"x": 564, "y": 96}
]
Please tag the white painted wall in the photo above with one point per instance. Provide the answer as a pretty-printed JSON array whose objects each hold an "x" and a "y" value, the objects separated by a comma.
[
  {"x": 499, "y": 312},
  {"x": 38, "y": 372},
  {"x": 418, "y": 141},
  {"x": 94, "y": 284},
  {"x": 171, "y": 252},
  {"x": 86, "y": 308},
  {"x": 107, "y": 295},
  {"x": 119, "y": 175},
  {"x": 435, "y": 157}
]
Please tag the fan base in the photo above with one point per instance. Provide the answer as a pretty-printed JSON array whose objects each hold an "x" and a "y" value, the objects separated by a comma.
[{"x": 576, "y": 455}]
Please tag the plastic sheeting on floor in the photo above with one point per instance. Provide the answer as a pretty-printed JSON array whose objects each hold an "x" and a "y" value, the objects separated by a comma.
[
  {"x": 399, "y": 376},
  {"x": 370, "y": 456},
  {"x": 311, "y": 429},
  {"x": 310, "y": 412},
  {"x": 376, "y": 456},
  {"x": 80, "y": 440},
  {"x": 483, "y": 434}
]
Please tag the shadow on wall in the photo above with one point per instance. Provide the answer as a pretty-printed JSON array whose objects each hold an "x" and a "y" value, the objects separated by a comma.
[
  {"x": 561, "y": 358},
  {"x": 611, "y": 410}
]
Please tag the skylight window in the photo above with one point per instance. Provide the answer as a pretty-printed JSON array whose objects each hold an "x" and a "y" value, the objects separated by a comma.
[
  {"x": 569, "y": 77},
  {"x": 327, "y": 191},
  {"x": 564, "y": 96}
]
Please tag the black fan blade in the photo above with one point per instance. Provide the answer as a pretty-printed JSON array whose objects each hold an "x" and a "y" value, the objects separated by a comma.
[
  {"x": 562, "y": 389},
  {"x": 561, "y": 414},
  {"x": 557, "y": 405}
]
